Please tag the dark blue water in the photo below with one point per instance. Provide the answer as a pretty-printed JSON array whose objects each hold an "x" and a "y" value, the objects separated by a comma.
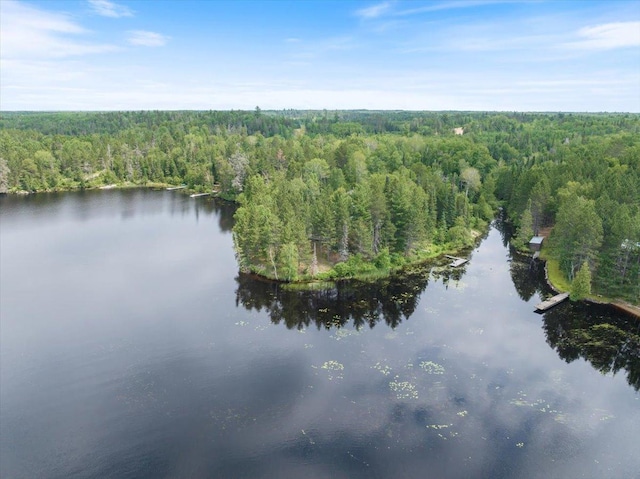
[{"x": 131, "y": 347}]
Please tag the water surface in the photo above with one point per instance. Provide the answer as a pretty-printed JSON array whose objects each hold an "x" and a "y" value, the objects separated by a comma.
[{"x": 131, "y": 347}]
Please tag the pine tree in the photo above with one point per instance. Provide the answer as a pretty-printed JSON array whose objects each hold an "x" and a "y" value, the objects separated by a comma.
[
  {"x": 525, "y": 232},
  {"x": 581, "y": 285},
  {"x": 289, "y": 261},
  {"x": 4, "y": 176},
  {"x": 578, "y": 232}
]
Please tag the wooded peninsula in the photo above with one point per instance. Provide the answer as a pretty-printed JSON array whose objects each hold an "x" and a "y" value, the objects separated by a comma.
[{"x": 330, "y": 195}]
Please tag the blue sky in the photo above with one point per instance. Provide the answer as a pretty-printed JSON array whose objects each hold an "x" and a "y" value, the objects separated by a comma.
[{"x": 413, "y": 55}]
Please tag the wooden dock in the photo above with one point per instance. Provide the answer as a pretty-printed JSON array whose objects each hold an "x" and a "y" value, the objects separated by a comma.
[
  {"x": 551, "y": 302},
  {"x": 172, "y": 188},
  {"x": 198, "y": 195},
  {"x": 456, "y": 261}
]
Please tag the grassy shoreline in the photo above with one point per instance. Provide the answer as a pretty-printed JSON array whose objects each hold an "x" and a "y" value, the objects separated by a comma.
[
  {"x": 91, "y": 187},
  {"x": 369, "y": 272},
  {"x": 558, "y": 282},
  {"x": 324, "y": 282}
]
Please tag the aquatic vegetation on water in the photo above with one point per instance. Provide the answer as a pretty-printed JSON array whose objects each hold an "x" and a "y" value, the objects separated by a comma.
[
  {"x": 335, "y": 369},
  {"x": 432, "y": 368},
  {"x": 438, "y": 426},
  {"x": 444, "y": 431},
  {"x": 403, "y": 389},
  {"x": 343, "y": 334},
  {"x": 540, "y": 405},
  {"x": 384, "y": 369},
  {"x": 333, "y": 366}
]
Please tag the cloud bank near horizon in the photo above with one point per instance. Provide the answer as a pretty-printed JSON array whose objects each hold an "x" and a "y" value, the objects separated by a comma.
[{"x": 465, "y": 55}]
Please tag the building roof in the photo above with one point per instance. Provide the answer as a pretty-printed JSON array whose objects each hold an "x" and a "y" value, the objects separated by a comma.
[
  {"x": 536, "y": 240},
  {"x": 628, "y": 244}
]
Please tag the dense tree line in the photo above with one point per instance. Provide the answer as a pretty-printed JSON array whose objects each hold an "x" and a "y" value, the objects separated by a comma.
[
  {"x": 362, "y": 191},
  {"x": 588, "y": 189},
  {"x": 361, "y": 205}
]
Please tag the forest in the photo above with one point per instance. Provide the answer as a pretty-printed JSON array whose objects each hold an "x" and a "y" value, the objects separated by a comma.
[{"x": 333, "y": 194}]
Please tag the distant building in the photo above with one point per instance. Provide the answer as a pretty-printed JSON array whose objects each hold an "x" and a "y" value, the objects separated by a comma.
[
  {"x": 536, "y": 243},
  {"x": 458, "y": 131},
  {"x": 628, "y": 244}
]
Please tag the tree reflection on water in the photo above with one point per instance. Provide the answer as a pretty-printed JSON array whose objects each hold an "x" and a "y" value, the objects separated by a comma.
[
  {"x": 610, "y": 342},
  {"x": 607, "y": 339},
  {"x": 357, "y": 303}
]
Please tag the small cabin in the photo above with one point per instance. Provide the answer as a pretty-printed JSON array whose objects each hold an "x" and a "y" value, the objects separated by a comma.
[
  {"x": 535, "y": 243},
  {"x": 629, "y": 245},
  {"x": 458, "y": 131}
]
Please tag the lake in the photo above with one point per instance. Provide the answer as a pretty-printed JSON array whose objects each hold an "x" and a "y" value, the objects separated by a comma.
[{"x": 132, "y": 348}]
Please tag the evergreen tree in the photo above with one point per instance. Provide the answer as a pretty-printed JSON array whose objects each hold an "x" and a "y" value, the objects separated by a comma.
[
  {"x": 578, "y": 232},
  {"x": 289, "y": 262},
  {"x": 4, "y": 176},
  {"x": 581, "y": 284},
  {"x": 525, "y": 232},
  {"x": 363, "y": 183}
]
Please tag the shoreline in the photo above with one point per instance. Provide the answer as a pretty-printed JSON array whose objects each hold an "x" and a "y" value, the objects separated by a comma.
[
  {"x": 618, "y": 304},
  {"x": 325, "y": 283},
  {"x": 112, "y": 186},
  {"x": 301, "y": 284},
  {"x": 626, "y": 307},
  {"x": 379, "y": 275}
]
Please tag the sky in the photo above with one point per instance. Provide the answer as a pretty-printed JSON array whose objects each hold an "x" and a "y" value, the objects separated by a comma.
[{"x": 494, "y": 55}]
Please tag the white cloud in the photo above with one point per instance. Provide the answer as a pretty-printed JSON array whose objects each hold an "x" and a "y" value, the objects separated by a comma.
[
  {"x": 74, "y": 87},
  {"x": 608, "y": 36},
  {"x": 147, "y": 39},
  {"x": 451, "y": 5},
  {"x": 46, "y": 64},
  {"x": 110, "y": 9},
  {"x": 374, "y": 11},
  {"x": 28, "y": 32}
]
